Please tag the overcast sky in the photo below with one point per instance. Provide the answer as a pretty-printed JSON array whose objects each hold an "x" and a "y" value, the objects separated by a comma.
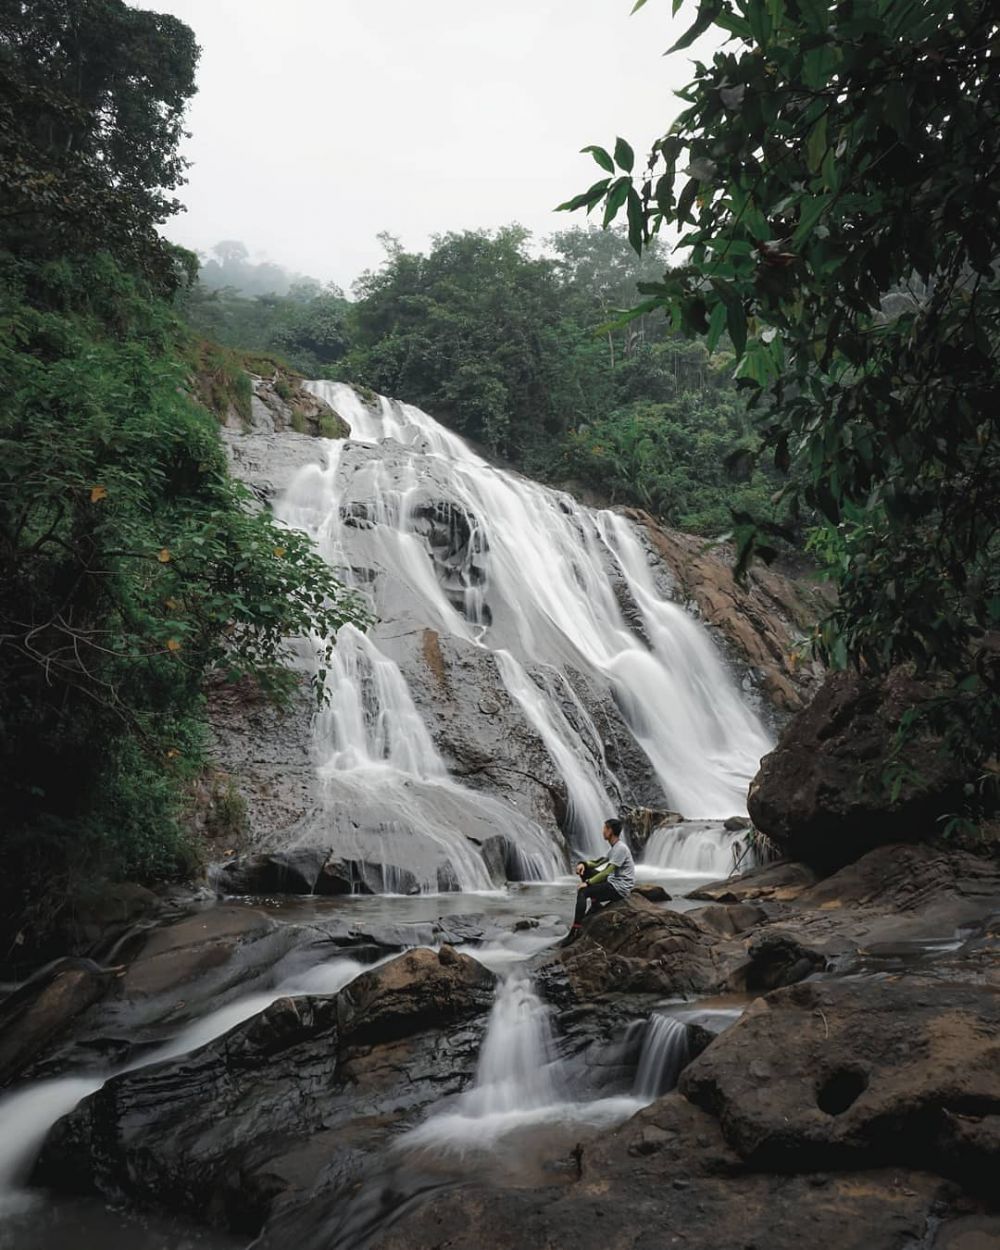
[{"x": 318, "y": 123}]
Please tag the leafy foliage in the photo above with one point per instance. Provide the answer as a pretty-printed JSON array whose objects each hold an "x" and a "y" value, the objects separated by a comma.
[
  {"x": 525, "y": 354},
  {"x": 92, "y": 98},
  {"x": 130, "y": 563},
  {"x": 834, "y": 174}
]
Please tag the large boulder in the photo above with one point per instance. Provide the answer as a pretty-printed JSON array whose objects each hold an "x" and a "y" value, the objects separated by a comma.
[
  {"x": 823, "y": 796},
  {"x": 860, "y": 1073},
  {"x": 633, "y": 946},
  {"x": 39, "y": 1012},
  {"x": 306, "y": 1089}
]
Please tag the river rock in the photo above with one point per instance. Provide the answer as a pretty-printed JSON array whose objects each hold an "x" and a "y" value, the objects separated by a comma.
[
  {"x": 774, "y": 959},
  {"x": 652, "y": 893},
  {"x": 632, "y": 946},
  {"x": 666, "y": 1178},
  {"x": 176, "y": 954},
  {"x": 419, "y": 990},
  {"x": 821, "y": 795},
  {"x": 782, "y": 882},
  {"x": 729, "y": 919},
  {"x": 37, "y": 1013},
  {"x": 302, "y": 1091},
  {"x": 855, "y": 1073}
]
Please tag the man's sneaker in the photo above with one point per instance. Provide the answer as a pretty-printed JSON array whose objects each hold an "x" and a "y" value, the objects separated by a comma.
[{"x": 571, "y": 937}]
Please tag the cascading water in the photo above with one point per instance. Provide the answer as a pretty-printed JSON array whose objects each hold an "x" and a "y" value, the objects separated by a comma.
[
  {"x": 696, "y": 848},
  {"x": 519, "y": 1082},
  {"x": 441, "y": 540},
  {"x": 664, "y": 1053}
]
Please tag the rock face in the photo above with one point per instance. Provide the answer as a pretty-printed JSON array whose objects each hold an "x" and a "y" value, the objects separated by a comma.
[
  {"x": 822, "y": 795},
  {"x": 762, "y": 624}
]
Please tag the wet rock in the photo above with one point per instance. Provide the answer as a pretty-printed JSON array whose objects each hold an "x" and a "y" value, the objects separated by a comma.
[
  {"x": 305, "y": 1091},
  {"x": 652, "y": 893},
  {"x": 860, "y": 1073},
  {"x": 775, "y": 959},
  {"x": 640, "y": 823},
  {"x": 633, "y": 946},
  {"x": 358, "y": 876},
  {"x": 176, "y": 954},
  {"x": 665, "y": 1178},
  {"x": 419, "y": 990},
  {"x": 729, "y": 919},
  {"x": 40, "y": 1011},
  {"x": 294, "y": 871},
  {"x": 265, "y": 754},
  {"x": 782, "y": 882},
  {"x": 821, "y": 795},
  {"x": 908, "y": 878},
  {"x": 736, "y": 824}
]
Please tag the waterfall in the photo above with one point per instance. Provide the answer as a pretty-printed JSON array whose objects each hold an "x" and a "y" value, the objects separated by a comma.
[
  {"x": 664, "y": 1053},
  {"x": 696, "y": 848},
  {"x": 439, "y": 539},
  {"x": 515, "y": 1061},
  {"x": 520, "y": 1082}
]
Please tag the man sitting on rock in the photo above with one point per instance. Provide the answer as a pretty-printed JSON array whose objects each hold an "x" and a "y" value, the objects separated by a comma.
[{"x": 603, "y": 884}]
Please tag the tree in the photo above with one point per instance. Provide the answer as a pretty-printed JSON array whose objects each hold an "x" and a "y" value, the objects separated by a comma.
[
  {"x": 131, "y": 566},
  {"x": 460, "y": 331},
  {"x": 92, "y": 99},
  {"x": 835, "y": 174}
]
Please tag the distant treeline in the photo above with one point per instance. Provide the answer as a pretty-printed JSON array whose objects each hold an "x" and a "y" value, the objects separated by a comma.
[{"x": 526, "y": 354}]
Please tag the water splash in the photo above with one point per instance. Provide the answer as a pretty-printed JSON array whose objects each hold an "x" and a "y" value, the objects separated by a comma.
[{"x": 520, "y": 1082}]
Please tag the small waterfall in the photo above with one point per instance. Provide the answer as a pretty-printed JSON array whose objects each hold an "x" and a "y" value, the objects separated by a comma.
[
  {"x": 520, "y": 1083},
  {"x": 25, "y": 1119},
  {"x": 515, "y": 1071},
  {"x": 664, "y": 1054},
  {"x": 441, "y": 540},
  {"x": 695, "y": 848},
  {"x": 516, "y": 1081}
]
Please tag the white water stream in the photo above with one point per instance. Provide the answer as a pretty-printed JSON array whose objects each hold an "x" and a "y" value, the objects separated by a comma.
[
  {"x": 664, "y": 1053},
  {"x": 534, "y": 579},
  {"x": 520, "y": 1083}
]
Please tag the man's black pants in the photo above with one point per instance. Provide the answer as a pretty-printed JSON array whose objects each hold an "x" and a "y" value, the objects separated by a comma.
[{"x": 603, "y": 892}]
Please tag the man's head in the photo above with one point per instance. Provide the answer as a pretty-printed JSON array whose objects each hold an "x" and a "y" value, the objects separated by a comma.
[{"x": 612, "y": 830}]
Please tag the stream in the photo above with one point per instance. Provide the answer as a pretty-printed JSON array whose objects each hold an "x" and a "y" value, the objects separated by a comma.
[{"x": 522, "y": 1099}]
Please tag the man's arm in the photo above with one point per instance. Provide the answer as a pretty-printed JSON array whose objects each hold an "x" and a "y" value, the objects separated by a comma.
[{"x": 603, "y": 875}]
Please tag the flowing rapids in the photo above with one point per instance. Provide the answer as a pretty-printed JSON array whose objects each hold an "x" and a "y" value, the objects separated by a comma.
[{"x": 554, "y": 594}]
